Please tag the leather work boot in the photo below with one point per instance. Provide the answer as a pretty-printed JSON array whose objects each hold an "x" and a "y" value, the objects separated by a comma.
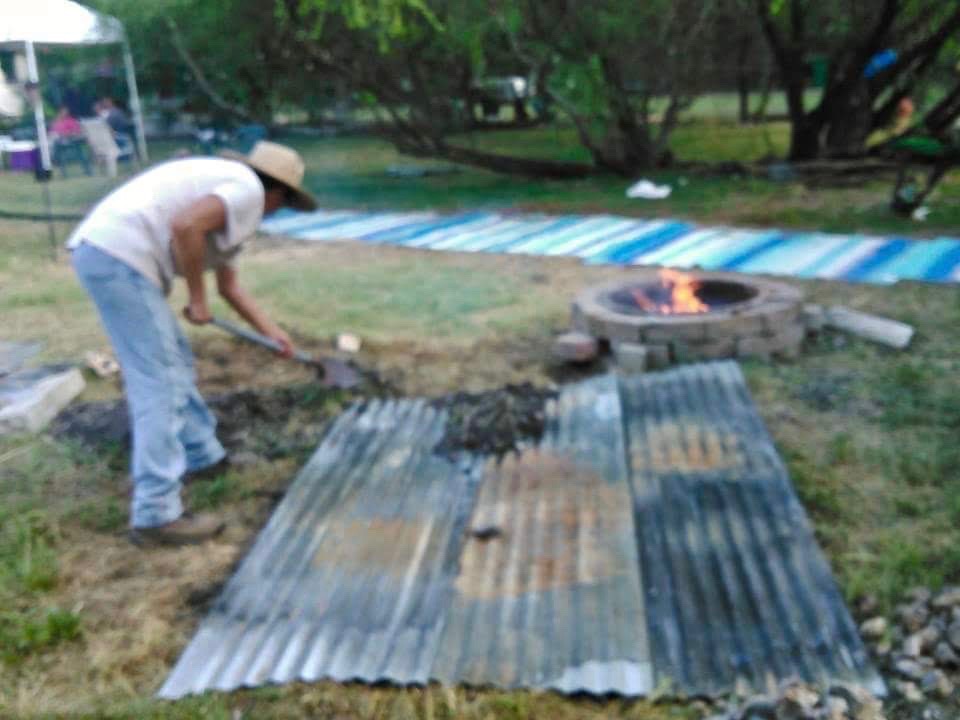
[
  {"x": 208, "y": 473},
  {"x": 188, "y": 529}
]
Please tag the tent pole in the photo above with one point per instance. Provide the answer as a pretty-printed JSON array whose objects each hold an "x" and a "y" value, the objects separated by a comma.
[
  {"x": 135, "y": 100},
  {"x": 44, "y": 172},
  {"x": 35, "y": 97}
]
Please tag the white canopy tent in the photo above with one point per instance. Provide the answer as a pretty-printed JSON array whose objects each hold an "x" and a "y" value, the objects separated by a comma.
[{"x": 27, "y": 23}]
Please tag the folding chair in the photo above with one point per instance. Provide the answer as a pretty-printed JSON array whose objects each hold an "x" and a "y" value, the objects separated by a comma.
[{"x": 104, "y": 145}]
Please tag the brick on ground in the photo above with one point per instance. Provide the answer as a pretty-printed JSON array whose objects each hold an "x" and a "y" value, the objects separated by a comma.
[{"x": 575, "y": 347}]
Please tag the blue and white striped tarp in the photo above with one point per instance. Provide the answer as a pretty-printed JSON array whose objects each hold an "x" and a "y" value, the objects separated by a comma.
[{"x": 632, "y": 241}]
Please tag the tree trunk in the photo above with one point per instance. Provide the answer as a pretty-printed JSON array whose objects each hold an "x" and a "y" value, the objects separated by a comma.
[
  {"x": 849, "y": 124},
  {"x": 520, "y": 116},
  {"x": 759, "y": 115},
  {"x": 515, "y": 165},
  {"x": 743, "y": 80},
  {"x": 805, "y": 139}
]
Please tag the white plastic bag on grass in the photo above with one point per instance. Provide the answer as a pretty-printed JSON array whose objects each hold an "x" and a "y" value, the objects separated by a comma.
[{"x": 647, "y": 190}]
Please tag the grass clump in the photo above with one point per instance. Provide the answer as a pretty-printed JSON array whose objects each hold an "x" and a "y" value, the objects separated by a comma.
[
  {"x": 25, "y": 633},
  {"x": 28, "y": 571}
]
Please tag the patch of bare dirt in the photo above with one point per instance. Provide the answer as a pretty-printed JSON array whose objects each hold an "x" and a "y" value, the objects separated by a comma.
[{"x": 267, "y": 422}]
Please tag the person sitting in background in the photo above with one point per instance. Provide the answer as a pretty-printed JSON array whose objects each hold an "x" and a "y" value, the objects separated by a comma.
[
  {"x": 904, "y": 117},
  {"x": 66, "y": 141},
  {"x": 116, "y": 118},
  {"x": 65, "y": 125},
  {"x": 119, "y": 123}
]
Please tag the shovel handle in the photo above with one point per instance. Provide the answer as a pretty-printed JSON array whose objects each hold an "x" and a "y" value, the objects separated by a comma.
[{"x": 259, "y": 339}]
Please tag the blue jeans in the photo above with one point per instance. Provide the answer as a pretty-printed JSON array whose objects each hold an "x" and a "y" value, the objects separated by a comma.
[{"x": 173, "y": 430}]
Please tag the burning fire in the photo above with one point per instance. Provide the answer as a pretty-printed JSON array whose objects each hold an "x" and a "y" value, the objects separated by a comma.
[{"x": 681, "y": 290}]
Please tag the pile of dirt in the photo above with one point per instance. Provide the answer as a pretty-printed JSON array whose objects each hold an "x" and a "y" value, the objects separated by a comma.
[
  {"x": 494, "y": 422},
  {"x": 289, "y": 421},
  {"x": 269, "y": 423}
]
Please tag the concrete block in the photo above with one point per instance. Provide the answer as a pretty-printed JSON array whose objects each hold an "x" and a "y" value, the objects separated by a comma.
[
  {"x": 714, "y": 349},
  {"x": 30, "y": 400},
  {"x": 738, "y": 325},
  {"x": 814, "y": 317},
  {"x": 781, "y": 314},
  {"x": 690, "y": 330},
  {"x": 575, "y": 347},
  {"x": 622, "y": 332},
  {"x": 630, "y": 357},
  {"x": 788, "y": 343}
]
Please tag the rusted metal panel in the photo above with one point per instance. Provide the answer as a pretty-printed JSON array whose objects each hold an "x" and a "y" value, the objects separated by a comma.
[
  {"x": 351, "y": 577},
  {"x": 651, "y": 538},
  {"x": 737, "y": 592},
  {"x": 552, "y": 599}
]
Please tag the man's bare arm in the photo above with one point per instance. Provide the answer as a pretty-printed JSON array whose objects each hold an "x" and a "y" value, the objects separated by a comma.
[
  {"x": 189, "y": 243},
  {"x": 243, "y": 302}
]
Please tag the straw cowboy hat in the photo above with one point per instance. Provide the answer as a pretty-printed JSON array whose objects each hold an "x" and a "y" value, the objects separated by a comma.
[{"x": 281, "y": 163}]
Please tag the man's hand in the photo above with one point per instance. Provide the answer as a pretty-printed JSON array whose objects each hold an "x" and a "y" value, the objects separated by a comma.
[
  {"x": 197, "y": 313},
  {"x": 286, "y": 344}
]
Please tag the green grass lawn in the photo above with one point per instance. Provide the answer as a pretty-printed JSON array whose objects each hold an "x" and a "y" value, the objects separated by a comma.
[
  {"x": 89, "y": 626},
  {"x": 352, "y": 173}
]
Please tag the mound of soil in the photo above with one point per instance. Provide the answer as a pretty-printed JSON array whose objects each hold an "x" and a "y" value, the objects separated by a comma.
[
  {"x": 494, "y": 422},
  {"x": 270, "y": 423}
]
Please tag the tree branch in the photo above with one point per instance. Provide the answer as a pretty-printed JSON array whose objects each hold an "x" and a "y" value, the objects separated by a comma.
[
  {"x": 929, "y": 45},
  {"x": 216, "y": 98}
]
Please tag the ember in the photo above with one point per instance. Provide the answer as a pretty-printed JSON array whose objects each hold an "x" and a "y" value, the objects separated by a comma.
[{"x": 677, "y": 293}]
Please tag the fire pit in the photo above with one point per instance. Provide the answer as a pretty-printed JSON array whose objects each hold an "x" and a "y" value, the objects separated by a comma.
[{"x": 672, "y": 316}]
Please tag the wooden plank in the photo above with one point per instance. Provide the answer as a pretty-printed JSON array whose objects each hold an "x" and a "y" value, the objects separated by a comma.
[{"x": 872, "y": 327}]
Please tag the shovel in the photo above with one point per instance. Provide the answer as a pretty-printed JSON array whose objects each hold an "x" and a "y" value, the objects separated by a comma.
[{"x": 334, "y": 373}]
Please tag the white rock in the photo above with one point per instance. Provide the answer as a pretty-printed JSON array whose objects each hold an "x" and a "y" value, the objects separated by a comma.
[
  {"x": 953, "y": 634},
  {"x": 947, "y": 598},
  {"x": 909, "y": 669},
  {"x": 874, "y": 628},
  {"x": 914, "y": 616},
  {"x": 945, "y": 655},
  {"x": 912, "y": 646},
  {"x": 929, "y": 637},
  {"x": 910, "y": 692},
  {"x": 837, "y": 708}
]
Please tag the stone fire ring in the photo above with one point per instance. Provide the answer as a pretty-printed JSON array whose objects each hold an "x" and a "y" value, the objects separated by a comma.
[{"x": 770, "y": 323}]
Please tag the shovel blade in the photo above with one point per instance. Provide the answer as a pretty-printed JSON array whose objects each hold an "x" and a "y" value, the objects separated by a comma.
[{"x": 338, "y": 374}]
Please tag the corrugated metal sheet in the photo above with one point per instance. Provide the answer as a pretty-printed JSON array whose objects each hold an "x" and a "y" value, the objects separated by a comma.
[
  {"x": 651, "y": 537},
  {"x": 736, "y": 590},
  {"x": 554, "y": 601},
  {"x": 352, "y": 576}
]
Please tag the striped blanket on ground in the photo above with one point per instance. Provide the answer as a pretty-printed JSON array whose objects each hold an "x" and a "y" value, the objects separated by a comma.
[{"x": 633, "y": 241}]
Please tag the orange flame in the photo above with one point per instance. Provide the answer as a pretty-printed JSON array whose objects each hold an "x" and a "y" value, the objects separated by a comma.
[{"x": 683, "y": 295}]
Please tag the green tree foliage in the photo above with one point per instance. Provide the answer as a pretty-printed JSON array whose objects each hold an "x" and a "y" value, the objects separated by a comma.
[
  {"x": 621, "y": 71},
  {"x": 236, "y": 46},
  {"x": 848, "y": 36}
]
